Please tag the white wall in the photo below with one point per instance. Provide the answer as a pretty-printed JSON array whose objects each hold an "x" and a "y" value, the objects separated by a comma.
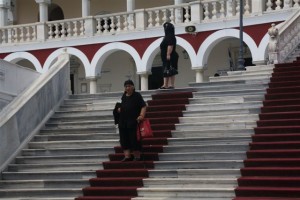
[{"x": 13, "y": 80}]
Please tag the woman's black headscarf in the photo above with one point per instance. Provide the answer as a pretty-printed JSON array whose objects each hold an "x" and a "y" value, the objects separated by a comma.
[{"x": 169, "y": 29}]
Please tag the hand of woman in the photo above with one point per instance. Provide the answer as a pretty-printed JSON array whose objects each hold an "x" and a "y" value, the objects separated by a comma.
[
  {"x": 140, "y": 118},
  {"x": 168, "y": 57}
]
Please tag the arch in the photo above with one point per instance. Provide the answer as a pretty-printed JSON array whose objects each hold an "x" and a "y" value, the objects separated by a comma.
[
  {"x": 154, "y": 48},
  {"x": 108, "y": 49},
  {"x": 17, "y": 56},
  {"x": 55, "y": 12},
  {"x": 70, "y": 50},
  {"x": 211, "y": 41},
  {"x": 263, "y": 47}
]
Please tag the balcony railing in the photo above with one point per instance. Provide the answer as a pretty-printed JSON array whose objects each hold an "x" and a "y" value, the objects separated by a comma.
[{"x": 142, "y": 19}]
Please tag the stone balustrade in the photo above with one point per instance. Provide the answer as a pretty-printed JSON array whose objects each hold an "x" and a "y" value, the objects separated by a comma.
[{"x": 141, "y": 19}]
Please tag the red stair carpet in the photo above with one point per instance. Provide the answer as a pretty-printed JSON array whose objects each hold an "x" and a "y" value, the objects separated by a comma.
[
  {"x": 120, "y": 180},
  {"x": 272, "y": 167}
]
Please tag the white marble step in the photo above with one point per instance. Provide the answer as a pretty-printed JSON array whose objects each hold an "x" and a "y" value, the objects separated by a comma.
[
  {"x": 71, "y": 136},
  {"x": 62, "y": 124},
  {"x": 215, "y": 125},
  {"x": 51, "y": 167},
  {"x": 221, "y": 106},
  {"x": 195, "y": 173},
  {"x": 186, "y": 193},
  {"x": 226, "y": 99},
  {"x": 231, "y": 92},
  {"x": 212, "y": 133},
  {"x": 203, "y": 164},
  {"x": 221, "y": 112},
  {"x": 207, "y": 147},
  {"x": 41, "y": 192},
  {"x": 202, "y": 156},
  {"x": 73, "y": 144},
  {"x": 71, "y": 130},
  {"x": 39, "y": 198},
  {"x": 68, "y": 151},
  {"x": 58, "y": 183},
  {"x": 251, "y": 76},
  {"x": 228, "y": 119},
  {"x": 61, "y": 159},
  {"x": 189, "y": 182},
  {"x": 102, "y": 113},
  {"x": 51, "y": 175}
]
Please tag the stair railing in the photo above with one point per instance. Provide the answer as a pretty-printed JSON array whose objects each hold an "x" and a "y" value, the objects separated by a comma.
[
  {"x": 22, "y": 118},
  {"x": 284, "y": 39}
]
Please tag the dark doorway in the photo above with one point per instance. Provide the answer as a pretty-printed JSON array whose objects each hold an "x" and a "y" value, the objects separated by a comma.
[
  {"x": 72, "y": 83},
  {"x": 248, "y": 62},
  {"x": 155, "y": 80}
]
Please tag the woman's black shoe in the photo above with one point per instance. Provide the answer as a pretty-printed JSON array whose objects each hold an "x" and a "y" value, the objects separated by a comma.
[{"x": 126, "y": 159}]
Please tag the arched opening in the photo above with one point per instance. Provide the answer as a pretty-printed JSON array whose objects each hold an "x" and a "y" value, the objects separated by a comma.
[
  {"x": 55, "y": 13},
  {"x": 227, "y": 52},
  {"x": 118, "y": 64},
  {"x": 185, "y": 73}
]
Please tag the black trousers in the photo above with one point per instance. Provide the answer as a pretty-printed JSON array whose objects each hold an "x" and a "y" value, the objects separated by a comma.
[{"x": 128, "y": 139}]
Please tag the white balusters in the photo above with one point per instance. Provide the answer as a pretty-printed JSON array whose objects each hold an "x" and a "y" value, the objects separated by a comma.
[
  {"x": 105, "y": 26},
  {"x": 112, "y": 24},
  {"x": 278, "y": 5},
  {"x": 296, "y": 3},
  {"x": 247, "y": 7},
  {"x": 287, "y": 4},
  {"x": 125, "y": 23},
  {"x": 165, "y": 15},
  {"x": 131, "y": 22},
  {"x": 187, "y": 15},
  {"x": 75, "y": 29},
  {"x": 81, "y": 22},
  {"x": 206, "y": 12},
  {"x": 119, "y": 28},
  {"x": 69, "y": 30},
  {"x": 150, "y": 19},
  {"x": 229, "y": 8},
  {"x": 269, "y": 5},
  {"x": 222, "y": 10},
  {"x": 157, "y": 18},
  {"x": 214, "y": 10},
  {"x": 172, "y": 15}
]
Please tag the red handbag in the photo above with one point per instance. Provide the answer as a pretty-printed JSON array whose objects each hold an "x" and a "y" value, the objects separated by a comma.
[{"x": 144, "y": 129}]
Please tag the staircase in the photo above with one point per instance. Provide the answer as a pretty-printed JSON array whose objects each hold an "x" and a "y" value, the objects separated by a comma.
[
  {"x": 201, "y": 136},
  {"x": 272, "y": 166}
]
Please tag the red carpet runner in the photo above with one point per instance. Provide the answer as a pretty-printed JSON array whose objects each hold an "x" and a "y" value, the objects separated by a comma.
[
  {"x": 272, "y": 167},
  {"x": 120, "y": 180}
]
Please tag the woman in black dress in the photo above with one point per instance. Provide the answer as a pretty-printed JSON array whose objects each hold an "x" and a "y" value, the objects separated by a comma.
[
  {"x": 132, "y": 110},
  {"x": 169, "y": 56}
]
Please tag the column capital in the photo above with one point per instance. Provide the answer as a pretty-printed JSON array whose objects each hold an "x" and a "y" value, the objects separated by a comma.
[
  {"x": 43, "y": 1},
  {"x": 91, "y": 78},
  {"x": 4, "y": 4},
  {"x": 144, "y": 73}
]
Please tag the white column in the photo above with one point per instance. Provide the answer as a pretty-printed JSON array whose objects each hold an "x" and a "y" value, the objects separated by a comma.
[
  {"x": 130, "y": 5},
  {"x": 43, "y": 9},
  {"x": 176, "y": 2},
  {"x": 144, "y": 82},
  {"x": 258, "y": 7},
  {"x": 93, "y": 85},
  {"x": 4, "y": 6},
  {"x": 86, "y": 8},
  {"x": 199, "y": 76},
  {"x": 178, "y": 12}
]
